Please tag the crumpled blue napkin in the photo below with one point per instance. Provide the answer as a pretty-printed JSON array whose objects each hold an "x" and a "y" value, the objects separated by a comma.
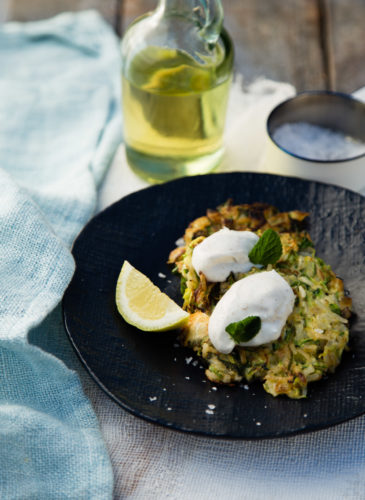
[{"x": 59, "y": 128}]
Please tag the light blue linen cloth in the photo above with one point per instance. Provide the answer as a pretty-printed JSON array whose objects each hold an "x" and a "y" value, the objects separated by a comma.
[{"x": 59, "y": 128}]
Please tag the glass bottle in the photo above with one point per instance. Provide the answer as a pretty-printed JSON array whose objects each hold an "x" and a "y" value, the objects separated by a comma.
[{"x": 176, "y": 71}]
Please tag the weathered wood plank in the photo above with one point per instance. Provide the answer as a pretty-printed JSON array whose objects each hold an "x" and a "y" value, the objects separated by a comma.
[
  {"x": 135, "y": 8},
  {"x": 287, "y": 41},
  {"x": 273, "y": 38},
  {"x": 278, "y": 40},
  {"x": 348, "y": 41}
]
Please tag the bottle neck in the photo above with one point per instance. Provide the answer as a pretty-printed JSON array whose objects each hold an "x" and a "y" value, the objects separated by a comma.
[{"x": 208, "y": 14}]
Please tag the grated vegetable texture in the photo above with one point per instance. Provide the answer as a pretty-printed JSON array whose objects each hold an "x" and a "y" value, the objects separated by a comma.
[{"x": 315, "y": 334}]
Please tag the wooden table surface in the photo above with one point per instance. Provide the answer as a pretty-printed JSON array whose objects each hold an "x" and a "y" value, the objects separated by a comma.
[{"x": 313, "y": 44}]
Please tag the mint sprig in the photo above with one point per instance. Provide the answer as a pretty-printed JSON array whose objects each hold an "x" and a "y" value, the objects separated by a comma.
[
  {"x": 244, "y": 330},
  {"x": 267, "y": 250}
]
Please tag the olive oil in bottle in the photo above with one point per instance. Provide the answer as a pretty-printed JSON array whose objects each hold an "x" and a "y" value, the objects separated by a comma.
[{"x": 174, "y": 108}]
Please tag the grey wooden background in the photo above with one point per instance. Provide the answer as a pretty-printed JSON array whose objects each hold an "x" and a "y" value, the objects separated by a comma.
[{"x": 313, "y": 44}]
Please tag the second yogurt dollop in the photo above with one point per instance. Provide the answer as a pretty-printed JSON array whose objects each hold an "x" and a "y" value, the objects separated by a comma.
[{"x": 265, "y": 294}]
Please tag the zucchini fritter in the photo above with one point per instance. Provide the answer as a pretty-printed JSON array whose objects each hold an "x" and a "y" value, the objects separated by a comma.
[{"x": 316, "y": 333}]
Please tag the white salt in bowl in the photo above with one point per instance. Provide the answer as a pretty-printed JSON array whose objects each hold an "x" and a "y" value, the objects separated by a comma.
[{"x": 318, "y": 135}]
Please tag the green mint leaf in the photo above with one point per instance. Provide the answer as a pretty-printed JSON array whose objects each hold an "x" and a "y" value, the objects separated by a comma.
[
  {"x": 335, "y": 308},
  {"x": 267, "y": 250},
  {"x": 244, "y": 330}
]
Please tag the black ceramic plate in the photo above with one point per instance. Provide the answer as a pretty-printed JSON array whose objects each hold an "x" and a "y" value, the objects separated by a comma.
[{"x": 148, "y": 374}]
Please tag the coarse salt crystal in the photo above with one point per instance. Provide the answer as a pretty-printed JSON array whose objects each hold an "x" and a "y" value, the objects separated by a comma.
[
  {"x": 317, "y": 143},
  {"x": 161, "y": 275},
  {"x": 209, "y": 412},
  {"x": 211, "y": 407},
  {"x": 152, "y": 398}
]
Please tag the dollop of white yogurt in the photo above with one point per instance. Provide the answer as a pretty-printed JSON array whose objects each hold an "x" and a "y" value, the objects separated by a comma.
[
  {"x": 224, "y": 252},
  {"x": 265, "y": 294}
]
